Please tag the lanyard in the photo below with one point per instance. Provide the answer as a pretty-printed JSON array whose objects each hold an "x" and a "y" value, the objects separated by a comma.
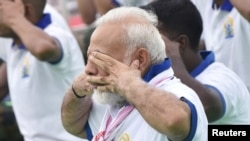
[{"x": 111, "y": 126}]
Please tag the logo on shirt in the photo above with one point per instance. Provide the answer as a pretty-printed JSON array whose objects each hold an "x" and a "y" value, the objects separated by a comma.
[
  {"x": 228, "y": 27},
  {"x": 124, "y": 137},
  {"x": 26, "y": 68}
]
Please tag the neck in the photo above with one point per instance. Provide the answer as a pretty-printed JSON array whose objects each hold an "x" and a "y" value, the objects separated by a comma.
[
  {"x": 219, "y": 2},
  {"x": 195, "y": 61}
]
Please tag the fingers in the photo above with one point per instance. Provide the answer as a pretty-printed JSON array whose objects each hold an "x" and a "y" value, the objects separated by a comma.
[
  {"x": 11, "y": 9},
  {"x": 87, "y": 90},
  {"x": 98, "y": 80},
  {"x": 82, "y": 87},
  {"x": 102, "y": 83},
  {"x": 108, "y": 88},
  {"x": 103, "y": 61}
]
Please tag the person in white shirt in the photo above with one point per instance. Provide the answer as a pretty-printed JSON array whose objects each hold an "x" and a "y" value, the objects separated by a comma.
[
  {"x": 42, "y": 58},
  {"x": 226, "y": 26},
  {"x": 128, "y": 90},
  {"x": 219, "y": 88}
]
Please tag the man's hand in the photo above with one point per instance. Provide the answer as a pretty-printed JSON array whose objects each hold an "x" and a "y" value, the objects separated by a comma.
[
  {"x": 172, "y": 47},
  {"x": 10, "y": 11},
  {"x": 120, "y": 75},
  {"x": 174, "y": 50},
  {"x": 82, "y": 86}
]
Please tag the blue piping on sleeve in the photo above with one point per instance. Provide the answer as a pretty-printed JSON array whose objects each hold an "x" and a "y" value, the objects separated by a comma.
[
  {"x": 61, "y": 57},
  {"x": 194, "y": 119},
  {"x": 221, "y": 96}
]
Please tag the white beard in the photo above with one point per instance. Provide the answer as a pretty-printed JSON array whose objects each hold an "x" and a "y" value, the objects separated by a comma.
[{"x": 108, "y": 98}]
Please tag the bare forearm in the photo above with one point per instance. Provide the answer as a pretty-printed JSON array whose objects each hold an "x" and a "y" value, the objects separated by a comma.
[
  {"x": 75, "y": 113},
  {"x": 87, "y": 10},
  {"x": 103, "y": 6},
  {"x": 39, "y": 43},
  {"x": 243, "y": 7},
  {"x": 157, "y": 105}
]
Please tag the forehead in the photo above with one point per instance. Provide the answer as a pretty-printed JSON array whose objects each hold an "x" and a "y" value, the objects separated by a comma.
[{"x": 108, "y": 39}]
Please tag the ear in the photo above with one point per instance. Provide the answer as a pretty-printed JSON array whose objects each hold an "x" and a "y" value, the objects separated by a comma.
[
  {"x": 144, "y": 58},
  {"x": 184, "y": 42}
]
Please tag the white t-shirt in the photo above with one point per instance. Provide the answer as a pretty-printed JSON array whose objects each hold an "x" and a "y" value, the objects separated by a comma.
[
  {"x": 226, "y": 32},
  {"x": 135, "y": 128},
  {"x": 37, "y": 88},
  {"x": 232, "y": 89}
]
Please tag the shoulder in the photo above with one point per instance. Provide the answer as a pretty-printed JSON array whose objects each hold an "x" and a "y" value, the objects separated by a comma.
[{"x": 56, "y": 17}]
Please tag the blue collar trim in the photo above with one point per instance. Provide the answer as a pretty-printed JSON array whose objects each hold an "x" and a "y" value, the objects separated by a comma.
[
  {"x": 156, "y": 69},
  {"x": 43, "y": 23},
  {"x": 208, "y": 58},
  {"x": 116, "y": 3},
  {"x": 226, "y": 6}
]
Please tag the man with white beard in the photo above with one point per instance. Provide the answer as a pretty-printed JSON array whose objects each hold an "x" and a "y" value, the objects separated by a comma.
[{"x": 128, "y": 90}]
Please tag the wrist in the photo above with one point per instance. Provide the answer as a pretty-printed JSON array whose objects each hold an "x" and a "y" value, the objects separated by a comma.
[{"x": 77, "y": 95}]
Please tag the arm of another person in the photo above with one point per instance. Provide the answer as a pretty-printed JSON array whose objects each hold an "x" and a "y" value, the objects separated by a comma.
[
  {"x": 4, "y": 89},
  {"x": 75, "y": 110},
  {"x": 209, "y": 97},
  {"x": 243, "y": 6},
  {"x": 87, "y": 10},
  {"x": 153, "y": 103},
  {"x": 39, "y": 43},
  {"x": 103, "y": 6}
]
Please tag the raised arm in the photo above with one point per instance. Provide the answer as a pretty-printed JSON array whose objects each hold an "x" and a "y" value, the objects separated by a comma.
[
  {"x": 156, "y": 105},
  {"x": 243, "y": 7},
  {"x": 21, "y": 19},
  {"x": 103, "y": 6},
  {"x": 87, "y": 10},
  {"x": 75, "y": 110}
]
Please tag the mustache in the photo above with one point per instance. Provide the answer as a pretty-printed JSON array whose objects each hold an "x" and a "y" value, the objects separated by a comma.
[{"x": 108, "y": 98}]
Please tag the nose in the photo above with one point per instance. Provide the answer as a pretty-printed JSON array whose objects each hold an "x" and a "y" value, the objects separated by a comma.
[{"x": 91, "y": 68}]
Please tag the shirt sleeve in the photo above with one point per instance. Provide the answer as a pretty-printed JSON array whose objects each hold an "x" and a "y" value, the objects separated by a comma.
[
  {"x": 4, "y": 45},
  {"x": 71, "y": 52}
]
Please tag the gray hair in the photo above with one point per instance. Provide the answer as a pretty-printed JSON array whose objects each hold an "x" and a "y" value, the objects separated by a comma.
[{"x": 141, "y": 34}]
